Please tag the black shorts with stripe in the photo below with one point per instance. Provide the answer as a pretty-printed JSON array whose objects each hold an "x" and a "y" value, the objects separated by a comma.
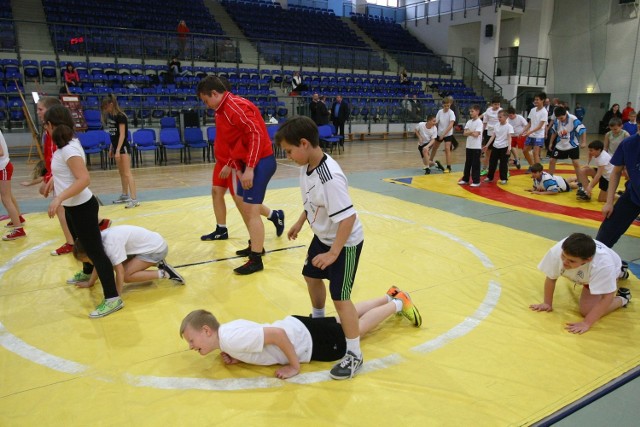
[{"x": 341, "y": 274}]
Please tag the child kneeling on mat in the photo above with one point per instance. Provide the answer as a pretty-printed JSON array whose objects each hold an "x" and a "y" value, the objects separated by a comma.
[
  {"x": 132, "y": 250},
  {"x": 587, "y": 262}
]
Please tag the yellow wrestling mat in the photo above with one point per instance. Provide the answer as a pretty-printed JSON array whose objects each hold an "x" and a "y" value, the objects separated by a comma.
[
  {"x": 563, "y": 206},
  {"x": 481, "y": 358}
]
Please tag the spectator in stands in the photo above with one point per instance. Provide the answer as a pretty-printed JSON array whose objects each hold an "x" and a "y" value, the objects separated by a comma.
[
  {"x": 632, "y": 125},
  {"x": 626, "y": 111},
  {"x": 297, "y": 85},
  {"x": 175, "y": 68},
  {"x": 580, "y": 112},
  {"x": 319, "y": 111},
  {"x": 403, "y": 77},
  {"x": 613, "y": 112},
  {"x": 182, "y": 31},
  {"x": 408, "y": 113},
  {"x": 339, "y": 114},
  {"x": 417, "y": 106},
  {"x": 71, "y": 78}
]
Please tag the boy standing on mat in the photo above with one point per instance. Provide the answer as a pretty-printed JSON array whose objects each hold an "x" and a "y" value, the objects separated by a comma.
[
  {"x": 292, "y": 340},
  {"x": 338, "y": 236},
  {"x": 240, "y": 125},
  {"x": 589, "y": 263}
]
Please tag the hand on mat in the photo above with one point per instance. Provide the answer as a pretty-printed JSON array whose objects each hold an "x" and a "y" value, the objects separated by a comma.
[
  {"x": 577, "y": 328},
  {"x": 541, "y": 307},
  {"x": 287, "y": 371},
  {"x": 324, "y": 260},
  {"x": 83, "y": 285},
  {"x": 228, "y": 360}
]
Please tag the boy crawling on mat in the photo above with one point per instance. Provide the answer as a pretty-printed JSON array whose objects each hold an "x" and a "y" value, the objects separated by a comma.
[
  {"x": 591, "y": 264},
  {"x": 292, "y": 340}
]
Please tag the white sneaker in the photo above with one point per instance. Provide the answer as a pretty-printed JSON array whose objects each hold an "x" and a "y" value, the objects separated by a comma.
[
  {"x": 132, "y": 203},
  {"x": 124, "y": 198},
  {"x": 462, "y": 182},
  {"x": 475, "y": 184},
  {"x": 503, "y": 182}
]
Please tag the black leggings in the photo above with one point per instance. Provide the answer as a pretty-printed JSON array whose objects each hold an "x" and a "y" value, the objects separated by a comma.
[{"x": 83, "y": 224}]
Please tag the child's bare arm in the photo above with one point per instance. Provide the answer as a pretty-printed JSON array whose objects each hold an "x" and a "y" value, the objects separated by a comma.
[{"x": 279, "y": 338}]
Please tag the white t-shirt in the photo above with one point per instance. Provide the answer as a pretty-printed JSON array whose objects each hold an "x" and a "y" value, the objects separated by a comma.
[
  {"x": 63, "y": 177},
  {"x": 604, "y": 159},
  {"x": 548, "y": 182},
  {"x": 244, "y": 340},
  {"x": 325, "y": 196},
  {"x": 535, "y": 117},
  {"x": 4, "y": 159},
  {"x": 502, "y": 135},
  {"x": 122, "y": 241},
  {"x": 600, "y": 273},
  {"x": 490, "y": 118},
  {"x": 518, "y": 124},
  {"x": 476, "y": 125},
  {"x": 425, "y": 133},
  {"x": 568, "y": 132},
  {"x": 444, "y": 120}
]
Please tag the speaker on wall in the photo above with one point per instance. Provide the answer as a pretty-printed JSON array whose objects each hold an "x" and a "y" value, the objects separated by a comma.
[{"x": 488, "y": 30}]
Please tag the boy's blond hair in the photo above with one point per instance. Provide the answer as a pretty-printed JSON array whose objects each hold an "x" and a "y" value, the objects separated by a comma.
[{"x": 197, "y": 319}]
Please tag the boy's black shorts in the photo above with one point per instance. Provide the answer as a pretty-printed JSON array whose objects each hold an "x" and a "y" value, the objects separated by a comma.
[{"x": 328, "y": 339}]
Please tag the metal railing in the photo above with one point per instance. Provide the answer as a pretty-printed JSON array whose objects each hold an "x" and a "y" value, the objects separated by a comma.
[
  {"x": 421, "y": 9},
  {"x": 522, "y": 69}
]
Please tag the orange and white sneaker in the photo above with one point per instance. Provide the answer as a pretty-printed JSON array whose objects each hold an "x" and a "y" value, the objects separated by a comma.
[
  {"x": 393, "y": 291},
  {"x": 14, "y": 234},
  {"x": 409, "y": 310}
]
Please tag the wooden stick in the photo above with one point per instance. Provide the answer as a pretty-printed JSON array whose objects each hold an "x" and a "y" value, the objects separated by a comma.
[{"x": 34, "y": 132}]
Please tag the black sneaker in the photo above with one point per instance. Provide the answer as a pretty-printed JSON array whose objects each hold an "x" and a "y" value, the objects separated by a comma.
[
  {"x": 278, "y": 220},
  {"x": 624, "y": 271},
  {"x": 347, "y": 367},
  {"x": 439, "y": 165},
  {"x": 448, "y": 169},
  {"x": 625, "y": 293},
  {"x": 518, "y": 165},
  {"x": 247, "y": 251},
  {"x": 427, "y": 171},
  {"x": 171, "y": 272},
  {"x": 582, "y": 195},
  {"x": 220, "y": 233},
  {"x": 253, "y": 265}
]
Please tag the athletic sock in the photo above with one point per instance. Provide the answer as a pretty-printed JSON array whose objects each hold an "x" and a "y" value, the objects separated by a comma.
[
  {"x": 270, "y": 216},
  {"x": 161, "y": 273},
  {"x": 398, "y": 304},
  {"x": 353, "y": 345},
  {"x": 221, "y": 225},
  {"x": 317, "y": 312}
]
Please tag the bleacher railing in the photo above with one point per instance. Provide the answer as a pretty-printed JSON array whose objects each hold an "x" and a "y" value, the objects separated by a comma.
[
  {"x": 528, "y": 70},
  {"x": 420, "y": 9}
]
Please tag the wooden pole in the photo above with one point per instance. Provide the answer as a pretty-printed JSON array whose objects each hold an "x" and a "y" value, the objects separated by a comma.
[{"x": 34, "y": 132}]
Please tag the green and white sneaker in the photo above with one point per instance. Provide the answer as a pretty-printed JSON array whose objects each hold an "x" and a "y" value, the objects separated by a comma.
[
  {"x": 483, "y": 172},
  {"x": 79, "y": 277},
  {"x": 105, "y": 308}
]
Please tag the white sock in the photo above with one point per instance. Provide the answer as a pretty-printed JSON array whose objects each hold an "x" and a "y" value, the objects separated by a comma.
[
  {"x": 398, "y": 304},
  {"x": 353, "y": 345},
  {"x": 389, "y": 298},
  {"x": 221, "y": 225},
  {"x": 317, "y": 312},
  {"x": 270, "y": 214},
  {"x": 112, "y": 299},
  {"x": 160, "y": 274}
]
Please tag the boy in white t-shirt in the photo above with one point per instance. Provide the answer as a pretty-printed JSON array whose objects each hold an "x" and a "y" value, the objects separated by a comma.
[
  {"x": 518, "y": 123},
  {"x": 446, "y": 119},
  {"x": 131, "y": 250},
  {"x": 535, "y": 130},
  {"x": 473, "y": 132},
  {"x": 490, "y": 121},
  {"x": 586, "y": 262},
  {"x": 427, "y": 133},
  {"x": 500, "y": 146},
  {"x": 290, "y": 341},
  {"x": 545, "y": 183},
  {"x": 600, "y": 174},
  {"x": 338, "y": 234}
]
